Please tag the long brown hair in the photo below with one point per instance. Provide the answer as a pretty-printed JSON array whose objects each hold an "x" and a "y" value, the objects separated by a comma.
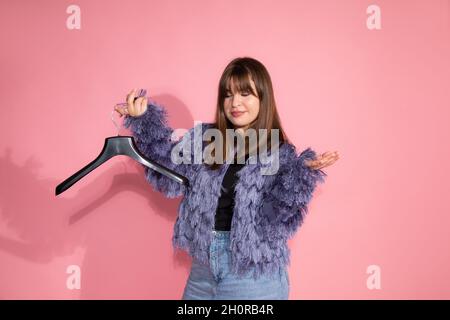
[{"x": 239, "y": 72}]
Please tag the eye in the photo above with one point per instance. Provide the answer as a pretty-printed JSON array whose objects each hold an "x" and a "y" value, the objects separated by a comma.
[{"x": 243, "y": 93}]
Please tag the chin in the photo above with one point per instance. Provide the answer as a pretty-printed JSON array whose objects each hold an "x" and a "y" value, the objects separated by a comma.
[
  {"x": 240, "y": 125},
  {"x": 239, "y": 122}
]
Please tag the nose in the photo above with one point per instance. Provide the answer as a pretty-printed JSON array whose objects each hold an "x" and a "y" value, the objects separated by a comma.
[{"x": 236, "y": 101}]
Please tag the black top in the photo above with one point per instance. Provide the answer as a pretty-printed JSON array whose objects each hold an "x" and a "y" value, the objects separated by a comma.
[{"x": 225, "y": 207}]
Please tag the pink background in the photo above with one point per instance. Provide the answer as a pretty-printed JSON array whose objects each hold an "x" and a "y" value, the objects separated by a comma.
[{"x": 379, "y": 97}]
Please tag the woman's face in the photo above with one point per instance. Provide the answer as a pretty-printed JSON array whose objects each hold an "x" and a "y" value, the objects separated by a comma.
[{"x": 241, "y": 108}]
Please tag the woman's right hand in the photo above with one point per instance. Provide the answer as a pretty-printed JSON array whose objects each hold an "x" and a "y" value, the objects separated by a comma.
[{"x": 134, "y": 107}]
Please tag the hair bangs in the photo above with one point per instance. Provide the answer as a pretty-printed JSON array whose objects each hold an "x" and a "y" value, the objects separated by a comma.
[{"x": 238, "y": 80}]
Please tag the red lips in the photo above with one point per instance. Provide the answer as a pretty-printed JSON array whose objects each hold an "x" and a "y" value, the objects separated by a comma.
[{"x": 237, "y": 113}]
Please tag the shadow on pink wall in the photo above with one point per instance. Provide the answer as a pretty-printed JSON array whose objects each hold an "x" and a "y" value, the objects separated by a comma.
[{"x": 47, "y": 226}]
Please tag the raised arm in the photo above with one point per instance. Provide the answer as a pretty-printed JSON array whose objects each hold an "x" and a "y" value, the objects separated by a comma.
[{"x": 153, "y": 138}]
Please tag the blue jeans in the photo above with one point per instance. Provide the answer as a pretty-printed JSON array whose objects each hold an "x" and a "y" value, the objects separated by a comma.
[{"x": 216, "y": 282}]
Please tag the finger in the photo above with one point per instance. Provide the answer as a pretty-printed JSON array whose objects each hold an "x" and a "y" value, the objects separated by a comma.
[
  {"x": 331, "y": 157},
  {"x": 317, "y": 167},
  {"x": 142, "y": 93},
  {"x": 130, "y": 99},
  {"x": 328, "y": 159},
  {"x": 320, "y": 164},
  {"x": 122, "y": 110},
  {"x": 119, "y": 112},
  {"x": 128, "y": 95},
  {"x": 143, "y": 105},
  {"x": 137, "y": 105},
  {"x": 330, "y": 154},
  {"x": 315, "y": 164},
  {"x": 118, "y": 109},
  {"x": 329, "y": 162}
]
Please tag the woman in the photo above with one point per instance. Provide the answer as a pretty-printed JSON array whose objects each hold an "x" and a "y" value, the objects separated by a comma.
[{"x": 233, "y": 220}]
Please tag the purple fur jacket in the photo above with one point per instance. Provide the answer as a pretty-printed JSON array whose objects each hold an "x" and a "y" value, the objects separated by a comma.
[{"x": 268, "y": 208}]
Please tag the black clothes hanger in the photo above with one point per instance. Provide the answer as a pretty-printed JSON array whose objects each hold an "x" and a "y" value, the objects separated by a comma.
[{"x": 114, "y": 146}]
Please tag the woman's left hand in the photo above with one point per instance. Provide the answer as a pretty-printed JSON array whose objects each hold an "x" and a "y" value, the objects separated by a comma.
[{"x": 324, "y": 160}]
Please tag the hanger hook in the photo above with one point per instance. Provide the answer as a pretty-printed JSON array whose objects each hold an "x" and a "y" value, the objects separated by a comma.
[{"x": 112, "y": 118}]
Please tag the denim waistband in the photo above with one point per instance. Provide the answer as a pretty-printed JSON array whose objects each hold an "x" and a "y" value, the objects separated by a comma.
[{"x": 219, "y": 234}]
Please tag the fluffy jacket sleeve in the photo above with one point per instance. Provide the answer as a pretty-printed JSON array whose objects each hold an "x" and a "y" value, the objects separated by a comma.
[
  {"x": 293, "y": 187},
  {"x": 153, "y": 138}
]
